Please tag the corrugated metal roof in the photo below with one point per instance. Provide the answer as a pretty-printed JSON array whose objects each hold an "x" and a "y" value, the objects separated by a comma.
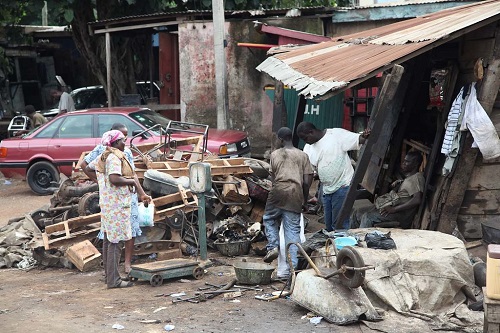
[{"x": 318, "y": 69}]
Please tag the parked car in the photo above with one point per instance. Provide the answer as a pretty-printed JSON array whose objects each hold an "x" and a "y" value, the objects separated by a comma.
[
  {"x": 52, "y": 148},
  {"x": 95, "y": 97}
]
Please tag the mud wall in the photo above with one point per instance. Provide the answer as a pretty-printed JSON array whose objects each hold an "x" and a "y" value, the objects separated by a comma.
[{"x": 250, "y": 109}]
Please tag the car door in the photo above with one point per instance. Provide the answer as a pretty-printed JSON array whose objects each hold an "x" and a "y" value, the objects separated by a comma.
[{"x": 72, "y": 138}]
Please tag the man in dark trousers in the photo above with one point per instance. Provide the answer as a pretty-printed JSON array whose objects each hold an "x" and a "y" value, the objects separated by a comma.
[
  {"x": 292, "y": 176},
  {"x": 328, "y": 152}
]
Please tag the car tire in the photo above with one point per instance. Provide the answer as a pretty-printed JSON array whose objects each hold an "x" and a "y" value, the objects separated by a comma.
[{"x": 40, "y": 177}]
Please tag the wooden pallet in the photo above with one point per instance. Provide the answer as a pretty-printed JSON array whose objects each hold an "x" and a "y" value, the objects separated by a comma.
[
  {"x": 71, "y": 231},
  {"x": 80, "y": 228},
  {"x": 218, "y": 167},
  {"x": 184, "y": 200}
]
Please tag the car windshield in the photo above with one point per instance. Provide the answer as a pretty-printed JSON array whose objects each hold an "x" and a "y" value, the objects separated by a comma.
[{"x": 149, "y": 118}]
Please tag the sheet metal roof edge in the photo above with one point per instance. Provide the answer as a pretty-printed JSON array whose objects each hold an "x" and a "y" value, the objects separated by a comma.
[
  {"x": 401, "y": 3},
  {"x": 227, "y": 13}
]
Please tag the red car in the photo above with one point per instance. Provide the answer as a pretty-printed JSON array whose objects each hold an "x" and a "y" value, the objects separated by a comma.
[{"x": 52, "y": 148}]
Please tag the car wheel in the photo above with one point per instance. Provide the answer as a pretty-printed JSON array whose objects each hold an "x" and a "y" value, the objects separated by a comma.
[{"x": 40, "y": 177}]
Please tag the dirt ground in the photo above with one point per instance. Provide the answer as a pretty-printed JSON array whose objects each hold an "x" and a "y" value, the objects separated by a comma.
[{"x": 66, "y": 300}]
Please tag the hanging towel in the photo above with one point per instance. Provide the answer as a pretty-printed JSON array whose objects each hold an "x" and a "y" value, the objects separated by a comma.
[
  {"x": 452, "y": 124},
  {"x": 483, "y": 131}
]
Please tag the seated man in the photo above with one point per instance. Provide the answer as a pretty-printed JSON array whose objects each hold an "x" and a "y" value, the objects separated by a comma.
[{"x": 409, "y": 193}]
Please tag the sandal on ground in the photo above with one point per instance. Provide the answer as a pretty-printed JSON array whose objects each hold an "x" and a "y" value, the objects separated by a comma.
[{"x": 124, "y": 284}]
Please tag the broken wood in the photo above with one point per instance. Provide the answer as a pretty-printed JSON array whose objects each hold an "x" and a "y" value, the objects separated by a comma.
[
  {"x": 218, "y": 167},
  {"x": 381, "y": 108},
  {"x": 81, "y": 228},
  {"x": 258, "y": 212},
  {"x": 84, "y": 255},
  {"x": 235, "y": 191}
]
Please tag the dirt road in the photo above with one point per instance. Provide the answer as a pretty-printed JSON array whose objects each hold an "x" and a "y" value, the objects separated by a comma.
[
  {"x": 60, "y": 300},
  {"x": 66, "y": 300}
]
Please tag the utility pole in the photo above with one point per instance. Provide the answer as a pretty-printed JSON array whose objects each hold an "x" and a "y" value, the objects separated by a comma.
[{"x": 220, "y": 64}]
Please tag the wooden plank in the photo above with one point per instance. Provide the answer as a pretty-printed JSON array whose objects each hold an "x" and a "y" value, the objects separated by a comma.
[
  {"x": 75, "y": 238},
  {"x": 465, "y": 163},
  {"x": 473, "y": 244},
  {"x": 484, "y": 177},
  {"x": 481, "y": 202},
  {"x": 381, "y": 108},
  {"x": 73, "y": 223}
]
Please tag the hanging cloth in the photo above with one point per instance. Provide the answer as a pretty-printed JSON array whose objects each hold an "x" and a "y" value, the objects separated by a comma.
[
  {"x": 452, "y": 124},
  {"x": 477, "y": 121}
]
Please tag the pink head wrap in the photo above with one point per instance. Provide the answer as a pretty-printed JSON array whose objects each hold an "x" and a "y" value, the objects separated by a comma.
[{"x": 111, "y": 136}]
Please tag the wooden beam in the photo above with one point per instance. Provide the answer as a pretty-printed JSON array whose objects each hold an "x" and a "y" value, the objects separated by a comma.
[
  {"x": 465, "y": 162},
  {"x": 381, "y": 108}
]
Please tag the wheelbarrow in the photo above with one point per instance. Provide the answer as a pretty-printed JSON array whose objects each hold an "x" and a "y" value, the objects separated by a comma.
[{"x": 333, "y": 293}]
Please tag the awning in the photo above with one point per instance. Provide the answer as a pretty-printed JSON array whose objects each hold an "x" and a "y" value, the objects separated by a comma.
[{"x": 320, "y": 70}]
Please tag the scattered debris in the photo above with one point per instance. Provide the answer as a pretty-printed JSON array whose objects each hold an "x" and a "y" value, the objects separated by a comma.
[
  {"x": 118, "y": 327},
  {"x": 315, "y": 320},
  {"x": 150, "y": 321},
  {"x": 159, "y": 309},
  {"x": 169, "y": 327}
]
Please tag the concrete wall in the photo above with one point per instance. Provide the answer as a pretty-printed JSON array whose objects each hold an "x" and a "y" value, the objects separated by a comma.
[{"x": 250, "y": 109}]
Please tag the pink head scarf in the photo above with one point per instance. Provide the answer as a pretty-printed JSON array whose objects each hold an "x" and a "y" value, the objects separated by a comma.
[{"x": 111, "y": 136}]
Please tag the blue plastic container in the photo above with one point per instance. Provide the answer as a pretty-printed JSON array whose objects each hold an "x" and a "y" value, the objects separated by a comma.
[{"x": 340, "y": 242}]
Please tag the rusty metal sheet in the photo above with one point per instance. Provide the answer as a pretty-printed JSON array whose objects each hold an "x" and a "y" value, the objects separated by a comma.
[
  {"x": 318, "y": 69},
  {"x": 481, "y": 202}
]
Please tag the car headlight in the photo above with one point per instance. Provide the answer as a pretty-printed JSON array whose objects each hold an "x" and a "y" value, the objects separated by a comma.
[{"x": 228, "y": 148}]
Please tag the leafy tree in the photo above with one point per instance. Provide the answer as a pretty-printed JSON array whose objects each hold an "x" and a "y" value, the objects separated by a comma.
[{"x": 125, "y": 49}]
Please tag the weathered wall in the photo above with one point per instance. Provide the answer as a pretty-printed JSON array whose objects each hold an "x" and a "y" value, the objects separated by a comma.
[
  {"x": 250, "y": 109},
  {"x": 482, "y": 197}
]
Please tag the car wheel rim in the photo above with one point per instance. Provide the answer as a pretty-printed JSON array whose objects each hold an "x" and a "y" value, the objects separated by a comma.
[{"x": 43, "y": 178}]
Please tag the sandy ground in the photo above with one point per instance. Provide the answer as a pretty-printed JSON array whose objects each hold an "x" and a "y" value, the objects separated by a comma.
[
  {"x": 60, "y": 300},
  {"x": 66, "y": 300}
]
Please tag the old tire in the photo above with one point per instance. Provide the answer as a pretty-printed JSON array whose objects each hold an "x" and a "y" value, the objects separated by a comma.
[
  {"x": 40, "y": 177},
  {"x": 348, "y": 256}
]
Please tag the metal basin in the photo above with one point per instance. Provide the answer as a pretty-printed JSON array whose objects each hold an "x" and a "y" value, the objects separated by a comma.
[
  {"x": 233, "y": 248},
  {"x": 253, "y": 272}
]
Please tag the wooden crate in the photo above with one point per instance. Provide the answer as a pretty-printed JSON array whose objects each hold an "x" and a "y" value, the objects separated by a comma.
[
  {"x": 491, "y": 314},
  {"x": 84, "y": 255}
]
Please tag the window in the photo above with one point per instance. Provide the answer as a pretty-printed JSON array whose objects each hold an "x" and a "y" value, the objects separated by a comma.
[
  {"x": 76, "y": 126},
  {"x": 50, "y": 129},
  {"x": 149, "y": 118},
  {"x": 107, "y": 120}
]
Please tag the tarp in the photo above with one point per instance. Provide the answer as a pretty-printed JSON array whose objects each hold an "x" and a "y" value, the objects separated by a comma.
[{"x": 426, "y": 277}]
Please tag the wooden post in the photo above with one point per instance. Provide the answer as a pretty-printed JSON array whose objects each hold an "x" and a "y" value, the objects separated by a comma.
[
  {"x": 299, "y": 117},
  {"x": 220, "y": 64},
  {"x": 486, "y": 95},
  {"x": 381, "y": 108},
  {"x": 279, "y": 113},
  {"x": 108, "y": 68}
]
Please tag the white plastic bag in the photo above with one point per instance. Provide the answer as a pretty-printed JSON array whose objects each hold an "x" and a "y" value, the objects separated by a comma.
[
  {"x": 146, "y": 214},
  {"x": 283, "y": 269}
]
